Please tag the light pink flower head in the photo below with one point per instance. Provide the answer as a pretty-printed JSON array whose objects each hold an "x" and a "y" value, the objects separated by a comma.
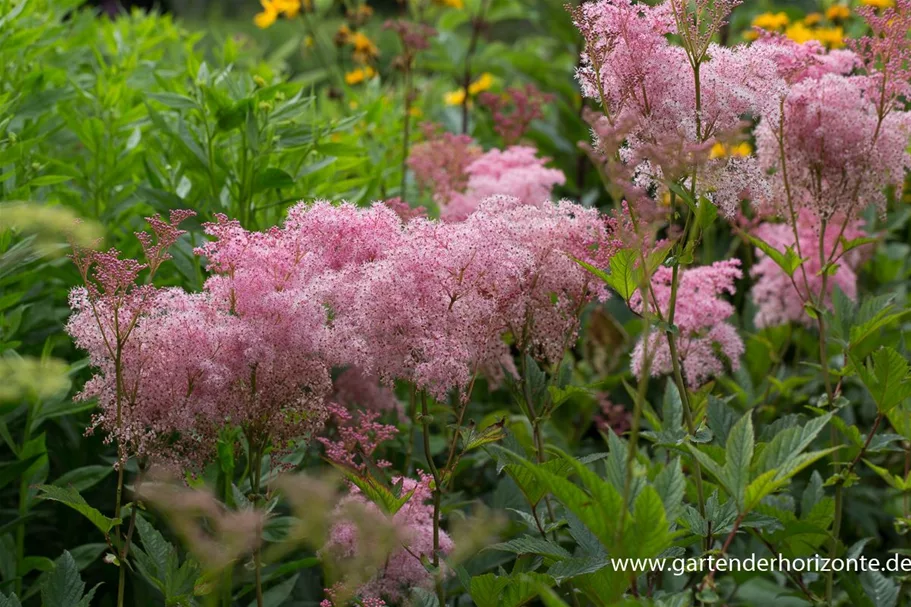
[{"x": 706, "y": 344}]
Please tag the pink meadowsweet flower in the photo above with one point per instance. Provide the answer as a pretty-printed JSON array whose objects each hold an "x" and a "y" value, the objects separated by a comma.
[
  {"x": 357, "y": 437},
  {"x": 655, "y": 129},
  {"x": 705, "y": 342},
  {"x": 428, "y": 312},
  {"x": 886, "y": 54},
  {"x": 170, "y": 376},
  {"x": 515, "y": 171},
  {"x": 514, "y": 110},
  {"x": 403, "y": 568},
  {"x": 439, "y": 162},
  {"x": 542, "y": 311},
  {"x": 778, "y": 299},
  {"x": 839, "y": 154}
]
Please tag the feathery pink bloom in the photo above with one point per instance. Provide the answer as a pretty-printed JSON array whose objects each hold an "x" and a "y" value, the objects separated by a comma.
[
  {"x": 403, "y": 569},
  {"x": 515, "y": 171},
  {"x": 705, "y": 343},
  {"x": 777, "y": 299}
]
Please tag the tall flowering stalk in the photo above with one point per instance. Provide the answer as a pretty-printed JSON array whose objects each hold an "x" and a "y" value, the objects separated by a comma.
[{"x": 109, "y": 307}]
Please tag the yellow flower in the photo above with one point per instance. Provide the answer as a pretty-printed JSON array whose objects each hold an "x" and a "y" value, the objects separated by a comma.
[
  {"x": 358, "y": 75},
  {"x": 837, "y": 12},
  {"x": 268, "y": 16},
  {"x": 455, "y": 97},
  {"x": 364, "y": 48},
  {"x": 481, "y": 84},
  {"x": 719, "y": 150},
  {"x": 813, "y": 18},
  {"x": 415, "y": 112},
  {"x": 832, "y": 37},
  {"x": 771, "y": 21},
  {"x": 450, "y": 3},
  {"x": 879, "y": 3},
  {"x": 799, "y": 33},
  {"x": 289, "y": 8}
]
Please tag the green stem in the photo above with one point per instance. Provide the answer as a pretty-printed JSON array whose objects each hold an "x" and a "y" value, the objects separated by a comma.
[
  {"x": 256, "y": 458},
  {"x": 437, "y": 499}
]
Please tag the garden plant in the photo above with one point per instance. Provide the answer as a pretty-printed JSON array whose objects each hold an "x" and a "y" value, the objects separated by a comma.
[{"x": 456, "y": 302}]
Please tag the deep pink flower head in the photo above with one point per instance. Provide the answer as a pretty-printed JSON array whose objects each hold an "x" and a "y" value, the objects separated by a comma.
[
  {"x": 357, "y": 436},
  {"x": 439, "y": 162},
  {"x": 515, "y": 171},
  {"x": 403, "y": 569},
  {"x": 705, "y": 342},
  {"x": 777, "y": 299}
]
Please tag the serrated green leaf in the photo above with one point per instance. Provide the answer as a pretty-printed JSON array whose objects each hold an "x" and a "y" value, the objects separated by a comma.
[
  {"x": 63, "y": 587},
  {"x": 532, "y": 545},
  {"x": 885, "y": 375},
  {"x": 74, "y": 500}
]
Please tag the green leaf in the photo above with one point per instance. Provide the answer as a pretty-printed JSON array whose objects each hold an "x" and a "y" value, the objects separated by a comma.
[
  {"x": 83, "y": 478},
  {"x": 11, "y": 471},
  {"x": 174, "y": 101},
  {"x": 74, "y": 500},
  {"x": 788, "y": 261},
  {"x": 277, "y": 595},
  {"x": 649, "y": 534},
  {"x": 273, "y": 178},
  {"x": 532, "y": 545},
  {"x": 486, "y": 589},
  {"x": 671, "y": 485},
  {"x": 885, "y": 375},
  {"x": 882, "y": 591},
  {"x": 622, "y": 277},
  {"x": 738, "y": 454},
  {"x": 374, "y": 490},
  {"x": 63, "y": 587},
  {"x": 9, "y": 601}
]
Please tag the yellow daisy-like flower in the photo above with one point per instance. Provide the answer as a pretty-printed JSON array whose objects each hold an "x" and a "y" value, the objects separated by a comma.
[
  {"x": 879, "y": 3},
  {"x": 481, "y": 84},
  {"x": 837, "y": 12},
  {"x": 450, "y": 3},
  {"x": 289, "y": 8},
  {"x": 832, "y": 37},
  {"x": 771, "y": 21},
  {"x": 364, "y": 48},
  {"x": 812, "y": 18},
  {"x": 268, "y": 15},
  {"x": 359, "y": 75},
  {"x": 455, "y": 97},
  {"x": 799, "y": 33}
]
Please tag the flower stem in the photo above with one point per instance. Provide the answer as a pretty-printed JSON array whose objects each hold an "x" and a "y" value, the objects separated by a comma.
[{"x": 437, "y": 501}]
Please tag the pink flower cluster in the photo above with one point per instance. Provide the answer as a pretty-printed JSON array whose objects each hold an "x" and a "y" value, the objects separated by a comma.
[
  {"x": 515, "y": 171},
  {"x": 705, "y": 342},
  {"x": 403, "y": 568},
  {"x": 831, "y": 131},
  {"x": 461, "y": 176},
  {"x": 779, "y": 298},
  {"x": 335, "y": 286},
  {"x": 358, "y": 435}
]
